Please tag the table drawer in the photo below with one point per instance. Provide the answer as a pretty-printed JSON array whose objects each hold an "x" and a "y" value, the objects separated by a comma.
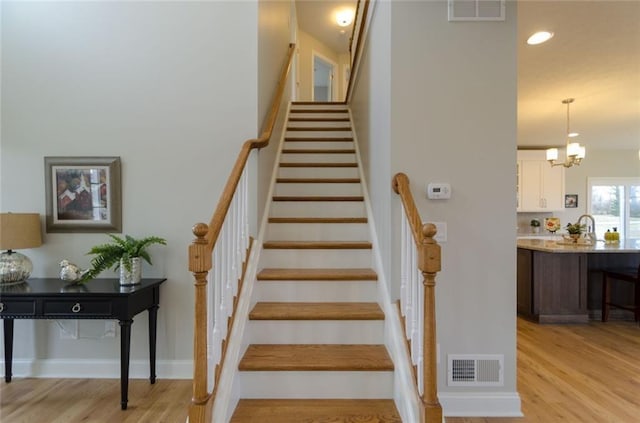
[
  {"x": 17, "y": 307},
  {"x": 77, "y": 308}
]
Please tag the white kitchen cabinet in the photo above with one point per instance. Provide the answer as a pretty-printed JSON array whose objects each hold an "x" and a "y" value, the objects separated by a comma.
[{"x": 540, "y": 186}]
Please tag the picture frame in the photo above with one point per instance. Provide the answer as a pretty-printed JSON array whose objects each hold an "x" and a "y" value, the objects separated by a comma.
[
  {"x": 83, "y": 194},
  {"x": 570, "y": 201}
]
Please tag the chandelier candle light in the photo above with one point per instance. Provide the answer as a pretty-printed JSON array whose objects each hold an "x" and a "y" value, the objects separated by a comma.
[
  {"x": 575, "y": 151},
  {"x": 17, "y": 231}
]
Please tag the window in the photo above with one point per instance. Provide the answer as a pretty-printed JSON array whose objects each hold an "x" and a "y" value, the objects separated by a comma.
[{"x": 615, "y": 203}]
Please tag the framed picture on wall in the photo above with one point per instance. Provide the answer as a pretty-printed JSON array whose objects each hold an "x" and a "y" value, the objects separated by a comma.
[
  {"x": 571, "y": 201},
  {"x": 83, "y": 194}
]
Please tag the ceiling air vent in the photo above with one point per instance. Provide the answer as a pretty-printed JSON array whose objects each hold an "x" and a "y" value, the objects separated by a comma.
[
  {"x": 475, "y": 370},
  {"x": 476, "y": 10}
]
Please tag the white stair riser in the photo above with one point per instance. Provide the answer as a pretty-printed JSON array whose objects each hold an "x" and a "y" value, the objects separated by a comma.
[
  {"x": 368, "y": 332},
  {"x": 293, "y": 384},
  {"x": 318, "y": 134},
  {"x": 316, "y": 291},
  {"x": 308, "y": 189},
  {"x": 318, "y": 124},
  {"x": 317, "y": 209},
  {"x": 318, "y": 172},
  {"x": 315, "y": 259},
  {"x": 317, "y": 232},
  {"x": 341, "y": 114},
  {"x": 299, "y": 145},
  {"x": 318, "y": 158},
  {"x": 318, "y": 105}
]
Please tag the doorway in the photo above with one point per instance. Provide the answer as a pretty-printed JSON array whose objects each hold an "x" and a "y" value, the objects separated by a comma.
[{"x": 323, "y": 75}]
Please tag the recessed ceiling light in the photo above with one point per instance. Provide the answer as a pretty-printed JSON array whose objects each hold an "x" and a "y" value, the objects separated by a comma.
[
  {"x": 539, "y": 37},
  {"x": 573, "y": 134}
]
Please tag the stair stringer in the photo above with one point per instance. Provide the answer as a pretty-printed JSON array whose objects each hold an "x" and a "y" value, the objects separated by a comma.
[
  {"x": 405, "y": 395},
  {"x": 227, "y": 399}
]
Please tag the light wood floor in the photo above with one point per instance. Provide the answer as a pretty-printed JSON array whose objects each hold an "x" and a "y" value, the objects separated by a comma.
[
  {"x": 576, "y": 374},
  {"x": 566, "y": 374}
]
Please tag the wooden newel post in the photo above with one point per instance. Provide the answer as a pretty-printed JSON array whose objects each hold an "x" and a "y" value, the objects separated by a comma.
[
  {"x": 429, "y": 263},
  {"x": 199, "y": 265}
]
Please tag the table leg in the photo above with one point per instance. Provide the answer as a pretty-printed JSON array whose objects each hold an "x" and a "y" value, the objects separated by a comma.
[
  {"x": 125, "y": 347},
  {"x": 8, "y": 348},
  {"x": 153, "y": 316}
]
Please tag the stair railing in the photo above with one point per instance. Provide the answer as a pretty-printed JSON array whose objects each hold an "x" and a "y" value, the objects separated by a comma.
[
  {"x": 420, "y": 261},
  {"x": 356, "y": 43},
  {"x": 224, "y": 244}
]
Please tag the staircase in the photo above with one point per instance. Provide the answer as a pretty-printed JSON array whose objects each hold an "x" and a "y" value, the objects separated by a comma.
[{"x": 316, "y": 332}]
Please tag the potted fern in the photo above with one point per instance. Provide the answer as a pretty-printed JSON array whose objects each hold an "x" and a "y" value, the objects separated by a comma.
[{"x": 125, "y": 254}]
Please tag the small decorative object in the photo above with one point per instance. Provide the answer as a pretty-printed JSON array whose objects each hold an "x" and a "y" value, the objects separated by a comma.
[
  {"x": 575, "y": 230},
  {"x": 70, "y": 272},
  {"x": 124, "y": 254},
  {"x": 612, "y": 237},
  {"x": 17, "y": 231},
  {"x": 552, "y": 224},
  {"x": 535, "y": 226},
  {"x": 83, "y": 194},
  {"x": 570, "y": 201}
]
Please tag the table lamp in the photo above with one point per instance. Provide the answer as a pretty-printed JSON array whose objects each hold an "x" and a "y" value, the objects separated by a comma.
[{"x": 17, "y": 231}]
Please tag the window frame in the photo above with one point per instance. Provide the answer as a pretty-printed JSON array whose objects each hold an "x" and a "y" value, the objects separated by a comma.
[{"x": 627, "y": 182}]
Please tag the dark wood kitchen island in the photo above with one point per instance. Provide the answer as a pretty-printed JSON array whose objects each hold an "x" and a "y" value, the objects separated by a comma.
[{"x": 559, "y": 283}]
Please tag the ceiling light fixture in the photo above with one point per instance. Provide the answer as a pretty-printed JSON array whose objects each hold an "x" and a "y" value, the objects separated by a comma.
[
  {"x": 344, "y": 17},
  {"x": 539, "y": 38},
  {"x": 575, "y": 151}
]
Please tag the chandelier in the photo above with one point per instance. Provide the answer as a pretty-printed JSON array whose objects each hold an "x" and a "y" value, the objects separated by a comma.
[{"x": 575, "y": 151}]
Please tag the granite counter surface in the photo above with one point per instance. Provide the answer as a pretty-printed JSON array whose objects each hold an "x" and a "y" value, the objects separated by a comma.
[{"x": 561, "y": 246}]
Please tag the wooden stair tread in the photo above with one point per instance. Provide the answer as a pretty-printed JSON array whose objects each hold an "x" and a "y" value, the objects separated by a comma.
[
  {"x": 318, "y": 164},
  {"x": 319, "y": 139},
  {"x": 318, "y": 151},
  {"x": 318, "y": 103},
  {"x": 316, "y": 311},
  {"x": 317, "y": 245},
  {"x": 319, "y": 128},
  {"x": 316, "y": 411},
  {"x": 318, "y": 180},
  {"x": 318, "y": 111},
  {"x": 318, "y": 198},
  {"x": 282, "y": 274},
  {"x": 318, "y": 220},
  {"x": 318, "y": 119},
  {"x": 316, "y": 357}
]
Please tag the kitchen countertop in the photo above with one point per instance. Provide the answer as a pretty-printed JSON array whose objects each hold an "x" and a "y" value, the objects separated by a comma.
[{"x": 559, "y": 245}]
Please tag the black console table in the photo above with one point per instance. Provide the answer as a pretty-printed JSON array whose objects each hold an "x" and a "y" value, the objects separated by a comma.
[{"x": 97, "y": 299}]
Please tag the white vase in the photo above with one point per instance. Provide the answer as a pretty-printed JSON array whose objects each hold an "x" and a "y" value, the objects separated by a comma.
[{"x": 134, "y": 276}]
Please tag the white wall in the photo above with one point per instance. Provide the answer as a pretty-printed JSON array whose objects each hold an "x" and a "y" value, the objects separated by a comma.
[
  {"x": 274, "y": 33},
  {"x": 371, "y": 109},
  {"x": 307, "y": 45},
  {"x": 452, "y": 119},
  {"x": 156, "y": 83}
]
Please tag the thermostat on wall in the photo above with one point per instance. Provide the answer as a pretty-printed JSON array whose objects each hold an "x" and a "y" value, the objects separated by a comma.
[{"x": 438, "y": 191}]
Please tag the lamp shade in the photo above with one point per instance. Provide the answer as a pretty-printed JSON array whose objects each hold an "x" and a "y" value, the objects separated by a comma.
[{"x": 20, "y": 230}]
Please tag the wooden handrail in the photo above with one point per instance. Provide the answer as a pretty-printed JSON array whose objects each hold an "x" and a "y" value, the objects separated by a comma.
[
  {"x": 356, "y": 53},
  {"x": 429, "y": 263},
  {"x": 215, "y": 225},
  {"x": 201, "y": 250}
]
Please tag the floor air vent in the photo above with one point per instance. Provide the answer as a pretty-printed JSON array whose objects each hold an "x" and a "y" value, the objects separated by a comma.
[{"x": 475, "y": 370}]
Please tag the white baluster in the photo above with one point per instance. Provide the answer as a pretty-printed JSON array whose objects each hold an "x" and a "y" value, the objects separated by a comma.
[{"x": 403, "y": 264}]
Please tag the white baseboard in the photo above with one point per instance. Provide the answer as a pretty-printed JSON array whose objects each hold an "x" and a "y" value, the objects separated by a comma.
[
  {"x": 485, "y": 404},
  {"x": 98, "y": 369}
]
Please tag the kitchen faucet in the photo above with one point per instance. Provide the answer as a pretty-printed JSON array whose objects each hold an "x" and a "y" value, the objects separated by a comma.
[{"x": 591, "y": 229}]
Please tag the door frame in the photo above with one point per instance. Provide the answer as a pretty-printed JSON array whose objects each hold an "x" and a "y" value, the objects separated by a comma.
[{"x": 334, "y": 72}]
